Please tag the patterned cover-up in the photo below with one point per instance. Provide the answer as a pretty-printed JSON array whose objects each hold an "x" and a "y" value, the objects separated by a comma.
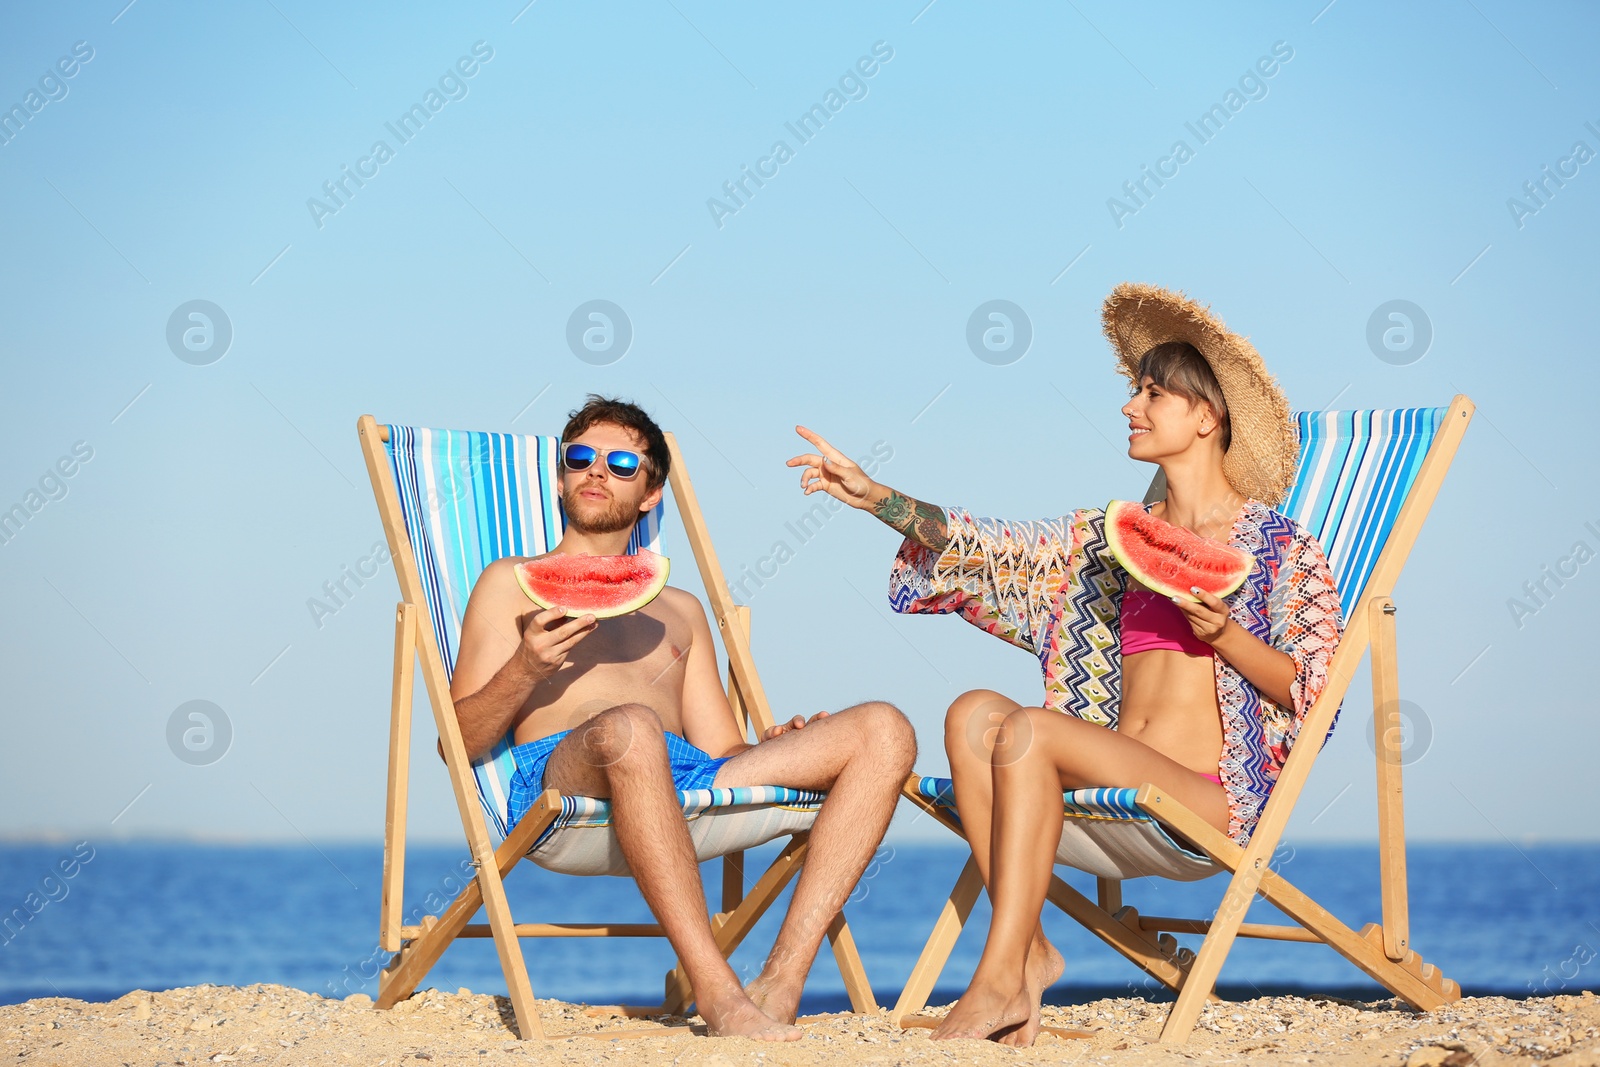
[{"x": 1052, "y": 587}]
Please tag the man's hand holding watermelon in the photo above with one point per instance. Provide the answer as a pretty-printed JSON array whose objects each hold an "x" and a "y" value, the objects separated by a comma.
[{"x": 548, "y": 636}]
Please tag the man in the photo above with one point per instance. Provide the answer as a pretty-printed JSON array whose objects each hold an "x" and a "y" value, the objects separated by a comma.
[{"x": 631, "y": 708}]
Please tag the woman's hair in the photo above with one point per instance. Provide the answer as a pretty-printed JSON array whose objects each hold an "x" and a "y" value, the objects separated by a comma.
[
  {"x": 598, "y": 409},
  {"x": 1180, "y": 369}
]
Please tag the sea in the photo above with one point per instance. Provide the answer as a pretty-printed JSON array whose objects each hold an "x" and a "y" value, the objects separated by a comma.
[{"x": 95, "y": 920}]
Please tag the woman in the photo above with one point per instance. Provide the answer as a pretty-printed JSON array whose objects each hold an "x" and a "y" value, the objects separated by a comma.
[{"x": 1204, "y": 699}]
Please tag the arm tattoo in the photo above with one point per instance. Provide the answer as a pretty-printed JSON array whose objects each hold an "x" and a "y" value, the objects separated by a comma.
[{"x": 922, "y": 522}]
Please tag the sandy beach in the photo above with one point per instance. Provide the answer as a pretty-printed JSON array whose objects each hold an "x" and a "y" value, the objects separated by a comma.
[{"x": 270, "y": 1024}]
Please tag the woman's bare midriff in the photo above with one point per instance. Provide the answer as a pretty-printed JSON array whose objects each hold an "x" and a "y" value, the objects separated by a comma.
[{"x": 1169, "y": 702}]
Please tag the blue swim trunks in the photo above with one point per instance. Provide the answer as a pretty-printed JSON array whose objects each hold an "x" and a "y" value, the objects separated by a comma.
[{"x": 691, "y": 769}]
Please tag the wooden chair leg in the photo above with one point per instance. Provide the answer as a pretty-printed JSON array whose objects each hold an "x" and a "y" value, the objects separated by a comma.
[
  {"x": 941, "y": 942},
  {"x": 1118, "y": 927},
  {"x": 417, "y": 957},
  {"x": 508, "y": 947},
  {"x": 1419, "y": 984},
  {"x": 1208, "y": 961},
  {"x": 851, "y": 969},
  {"x": 732, "y": 880},
  {"x": 1156, "y": 956},
  {"x": 1391, "y": 800},
  {"x": 731, "y": 928},
  {"x": 394, "y": 823},
  {"x": 1413, "y": 981}
]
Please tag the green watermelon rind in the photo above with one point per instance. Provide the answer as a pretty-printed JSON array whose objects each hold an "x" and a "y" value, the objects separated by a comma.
[
  {"x": 1171, "y": 586},
  {"x": 573, "y": 599}
]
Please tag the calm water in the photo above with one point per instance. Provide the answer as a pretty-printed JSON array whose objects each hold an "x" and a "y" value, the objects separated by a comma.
[{"x": 155, "y": 916}]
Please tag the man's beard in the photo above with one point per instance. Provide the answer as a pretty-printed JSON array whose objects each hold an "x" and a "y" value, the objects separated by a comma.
[{"x": 596, "y": 517}]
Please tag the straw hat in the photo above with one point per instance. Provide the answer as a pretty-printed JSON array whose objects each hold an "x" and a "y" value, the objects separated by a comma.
[{"x": 1262, "y": 455}]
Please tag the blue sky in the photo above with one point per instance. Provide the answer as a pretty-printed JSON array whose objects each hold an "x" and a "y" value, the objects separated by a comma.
[{"x": 578, "y": 161}]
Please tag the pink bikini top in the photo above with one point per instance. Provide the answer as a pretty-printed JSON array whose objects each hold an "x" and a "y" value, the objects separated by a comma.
[{"x": 1150, "y": 620}]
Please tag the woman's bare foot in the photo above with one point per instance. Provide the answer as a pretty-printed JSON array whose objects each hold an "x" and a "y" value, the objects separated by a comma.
[
  {"x": 984, "y": 1011},
  {"x": 737, "y": 1016},
  {"x": 775, "y": 1001},
  {"x": 1044, "y": 967}
]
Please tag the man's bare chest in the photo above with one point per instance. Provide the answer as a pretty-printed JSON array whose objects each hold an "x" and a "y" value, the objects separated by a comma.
[{"x": 632, "y": 652}]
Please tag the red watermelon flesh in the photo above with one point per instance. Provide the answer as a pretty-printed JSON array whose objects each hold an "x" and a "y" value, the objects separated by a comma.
[
  {"x": 1169, "y": 559},
  {"x": 602, "y": 586}
]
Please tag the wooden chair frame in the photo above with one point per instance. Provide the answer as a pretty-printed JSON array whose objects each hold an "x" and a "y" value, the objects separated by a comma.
[
  {"x": 1381, "y": 951},
  {"x": 419, "y": 946}
]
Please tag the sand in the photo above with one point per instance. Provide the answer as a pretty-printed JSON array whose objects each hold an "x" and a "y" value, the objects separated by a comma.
[{"x": 269, "y": 1024}]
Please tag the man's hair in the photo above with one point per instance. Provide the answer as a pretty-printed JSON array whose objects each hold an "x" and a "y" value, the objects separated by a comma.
[
  {"x": 1180, "y": 369},
  {"x": 617, "y": 412}
]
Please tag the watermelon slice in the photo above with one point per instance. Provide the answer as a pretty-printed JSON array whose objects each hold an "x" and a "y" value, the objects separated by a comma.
[
  {"x": 602, "y": 586},
  {"x": 1169, "y": 559}
]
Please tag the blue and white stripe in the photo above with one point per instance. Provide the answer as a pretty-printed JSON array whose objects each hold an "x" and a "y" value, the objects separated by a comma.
[{"x": 1355, "y": 470}]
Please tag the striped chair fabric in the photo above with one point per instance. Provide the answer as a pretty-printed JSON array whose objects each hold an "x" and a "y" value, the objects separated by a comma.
[
  {"x": 1355, "y": 470},
  {"x": 470, "y": 498}
]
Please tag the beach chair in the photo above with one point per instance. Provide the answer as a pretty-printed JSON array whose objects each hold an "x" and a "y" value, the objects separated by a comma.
[
  {"x": 1366, "y": 480},
  {"x": 452, "y": 502}
]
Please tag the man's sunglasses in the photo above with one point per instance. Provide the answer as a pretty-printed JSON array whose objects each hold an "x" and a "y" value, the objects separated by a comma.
[{"x": 621, "y": 462}]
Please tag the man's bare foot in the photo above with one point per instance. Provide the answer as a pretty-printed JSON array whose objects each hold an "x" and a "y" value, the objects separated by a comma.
[
  {"x": 983, "y": 1012},
  {"x": 775, "y": 1001},
  {"x": 1044, "y": 967},
  {"x": 738, "y": 1016}
]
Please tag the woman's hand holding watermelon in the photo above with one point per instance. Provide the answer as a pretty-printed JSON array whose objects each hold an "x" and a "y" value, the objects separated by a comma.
[
  {"x": 545, "y": 645},
  {"x": 1208, "y": 618}
]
